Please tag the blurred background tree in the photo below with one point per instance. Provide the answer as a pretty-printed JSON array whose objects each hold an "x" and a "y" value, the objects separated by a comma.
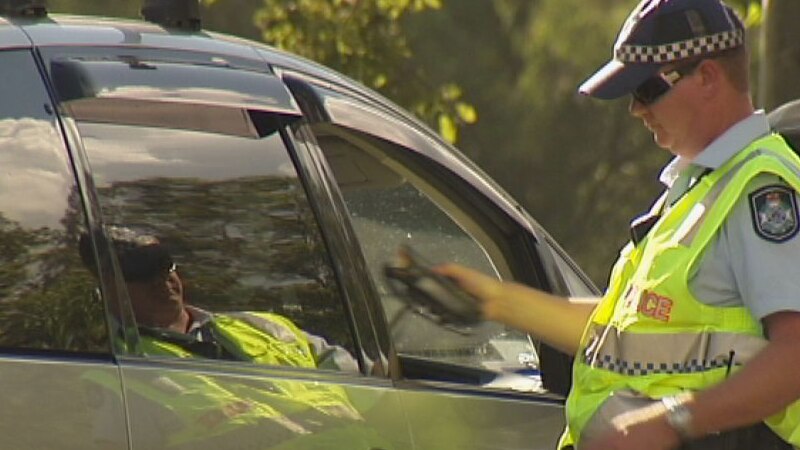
[
  {"x": 499, "y": 78},
  {"x": 781, "y": 46}
]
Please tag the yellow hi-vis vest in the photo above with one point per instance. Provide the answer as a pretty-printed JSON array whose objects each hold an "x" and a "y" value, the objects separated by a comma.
[
  {"x": 201, "y": 408},
  {"x": 262, "y": 338},
  {"x": 649, "y": 335},
  {"x": 266, "y": 338}
]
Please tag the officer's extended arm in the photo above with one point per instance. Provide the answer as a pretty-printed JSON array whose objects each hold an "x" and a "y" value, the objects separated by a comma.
[{"x": 559, "y": 321}]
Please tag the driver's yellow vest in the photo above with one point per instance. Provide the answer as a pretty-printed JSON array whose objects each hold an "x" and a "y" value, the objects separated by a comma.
[
  {"x": 262, "y": 338},
  {"x": 649, "y": 335},
  {"x": 203, "y": 408}
]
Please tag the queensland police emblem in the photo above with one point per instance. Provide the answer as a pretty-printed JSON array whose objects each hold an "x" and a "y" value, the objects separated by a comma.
[{"x": 774, "y": 211}]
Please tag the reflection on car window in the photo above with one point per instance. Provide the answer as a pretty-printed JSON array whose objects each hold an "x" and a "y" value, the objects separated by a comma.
[
  {"x": 387, "y": 210},
  {"x": 232, "y": 216},
  {"x": 48, "y": 298}
]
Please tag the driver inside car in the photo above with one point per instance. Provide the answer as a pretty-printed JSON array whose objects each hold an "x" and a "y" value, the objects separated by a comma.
[
  {"x": 169, "y": 325},
  {"x": 187, "y": 408}
]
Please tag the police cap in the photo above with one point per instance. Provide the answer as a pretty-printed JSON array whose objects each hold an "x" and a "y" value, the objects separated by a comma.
[{"x": 659, "y": 32}]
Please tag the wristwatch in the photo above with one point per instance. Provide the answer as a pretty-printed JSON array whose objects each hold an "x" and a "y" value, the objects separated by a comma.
[{"x": 678, "y": 414}]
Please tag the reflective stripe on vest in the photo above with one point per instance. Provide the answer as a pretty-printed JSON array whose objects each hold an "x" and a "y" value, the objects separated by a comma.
[
  {"x": 658, "y": 353},
  {"x": 649, "y": 334},
  {"x": 715, "y": 192}
]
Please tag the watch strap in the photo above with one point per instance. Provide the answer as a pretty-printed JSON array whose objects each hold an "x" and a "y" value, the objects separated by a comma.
[{"x": 678, "y": 414}]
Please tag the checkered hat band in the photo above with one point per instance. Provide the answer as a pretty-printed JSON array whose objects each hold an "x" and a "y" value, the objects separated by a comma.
[{"x": 648, "y": 54}]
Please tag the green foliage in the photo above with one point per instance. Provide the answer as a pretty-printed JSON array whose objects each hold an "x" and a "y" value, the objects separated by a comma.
[
  {"x": 754, "y": 15},
  {"x": 116, "y": 8},
  {"x": 367, "y": 40}
]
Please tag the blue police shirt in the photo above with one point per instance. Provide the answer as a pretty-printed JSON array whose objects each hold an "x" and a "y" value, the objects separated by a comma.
[{"x": 740, "y": 266}]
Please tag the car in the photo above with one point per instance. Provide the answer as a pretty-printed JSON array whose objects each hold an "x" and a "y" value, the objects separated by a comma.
[
  {"x": 280, "y": 187},
  {"x": 785, "y": 120}
]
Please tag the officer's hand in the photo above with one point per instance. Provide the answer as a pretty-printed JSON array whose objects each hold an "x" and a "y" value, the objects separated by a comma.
[{"x": 488, "y": 290}]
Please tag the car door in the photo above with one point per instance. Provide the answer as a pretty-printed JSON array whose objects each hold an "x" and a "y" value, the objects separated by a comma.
[
  {"x": 483, "y": 387},
  {"x": 194, "y": 149},
  {"x": 54, "y": 339}
]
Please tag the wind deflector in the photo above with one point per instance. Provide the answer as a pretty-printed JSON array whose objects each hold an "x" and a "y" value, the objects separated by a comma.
[{"x": 210, "y": 98}]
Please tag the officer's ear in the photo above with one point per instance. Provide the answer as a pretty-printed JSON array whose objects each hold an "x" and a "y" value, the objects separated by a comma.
[{"x": 711, "y": 78}]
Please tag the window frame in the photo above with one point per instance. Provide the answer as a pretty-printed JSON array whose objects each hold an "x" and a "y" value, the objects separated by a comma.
[{"x": 530, "y": 260}]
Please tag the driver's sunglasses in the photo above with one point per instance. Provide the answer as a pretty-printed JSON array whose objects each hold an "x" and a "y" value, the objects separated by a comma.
[
  {"x": 144, "y": 264},
  {"x": 656, "y": 86},
  {"x": 154, "y": 275}
]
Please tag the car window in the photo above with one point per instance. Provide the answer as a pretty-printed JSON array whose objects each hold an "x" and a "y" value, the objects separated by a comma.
[
  {"x": 392, "y": 201},
  {"x": 233, "y": 215},
  {"x": 214, "y": 249},
  {"x": 49, "y": 299}
]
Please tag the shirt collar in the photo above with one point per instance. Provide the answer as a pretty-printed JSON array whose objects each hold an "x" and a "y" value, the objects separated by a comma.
[
  {"x": 721, "y": 149},
  {"x": 199, "y": 318}
]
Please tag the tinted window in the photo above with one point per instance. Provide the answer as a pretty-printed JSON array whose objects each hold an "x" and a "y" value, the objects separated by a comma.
[
  {"x": 232, "y": 213},
  {"x": 48, "y": 299}
]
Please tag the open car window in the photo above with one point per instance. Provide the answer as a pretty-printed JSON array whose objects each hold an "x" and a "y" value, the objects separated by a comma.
[{"x": 394, "y": 199}]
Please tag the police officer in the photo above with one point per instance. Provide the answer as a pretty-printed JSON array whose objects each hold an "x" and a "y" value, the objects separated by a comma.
[{"x": 695, "y": 343}]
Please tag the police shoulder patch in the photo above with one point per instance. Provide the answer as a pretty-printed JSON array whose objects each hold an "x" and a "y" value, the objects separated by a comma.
[{"x": 774, "y": 213}]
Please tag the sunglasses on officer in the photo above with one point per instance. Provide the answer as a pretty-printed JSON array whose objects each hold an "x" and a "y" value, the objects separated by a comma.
[{"x": 652, "y": 89}]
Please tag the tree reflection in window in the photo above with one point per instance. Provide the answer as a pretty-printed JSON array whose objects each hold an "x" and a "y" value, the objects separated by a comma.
[
  {"x": 48, "y": 297},
  {"x": 236, "y": 220}
]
